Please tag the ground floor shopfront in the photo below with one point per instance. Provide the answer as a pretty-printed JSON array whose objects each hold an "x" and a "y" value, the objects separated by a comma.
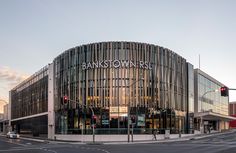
[
  {"x": 207, "y": 122},
  {"x": 114, "y": 120},
  {"x": 111, "y": 124},
  {"x": 143, "y": 123},
  {"x": 79, "y": 125},
  {"x": 31, "y": 126}
]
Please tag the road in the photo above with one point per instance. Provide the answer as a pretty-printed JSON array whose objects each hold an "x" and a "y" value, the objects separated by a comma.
[{"x": 223, "y": 143}]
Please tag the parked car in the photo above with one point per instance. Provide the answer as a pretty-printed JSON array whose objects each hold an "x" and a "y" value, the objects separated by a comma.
[{"x": 13, "y": 135}]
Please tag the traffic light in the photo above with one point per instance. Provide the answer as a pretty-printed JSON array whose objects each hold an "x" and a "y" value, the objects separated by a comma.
[
  {"x": 132, "y": 119},
  {"x": 94, "y": 118},
  {"x": 65, "y": 100},
  {"x": 224, "y": 91}
]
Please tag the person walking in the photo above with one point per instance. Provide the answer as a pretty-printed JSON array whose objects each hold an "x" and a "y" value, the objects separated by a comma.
[{"x": 154, "y": 132}]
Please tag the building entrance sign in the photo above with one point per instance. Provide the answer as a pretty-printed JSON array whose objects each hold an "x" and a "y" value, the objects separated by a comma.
[{"x": 116, "y": 64}]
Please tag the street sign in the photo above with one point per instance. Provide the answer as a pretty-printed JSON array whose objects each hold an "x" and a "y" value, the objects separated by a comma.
[{"x": 105, "y": 122}]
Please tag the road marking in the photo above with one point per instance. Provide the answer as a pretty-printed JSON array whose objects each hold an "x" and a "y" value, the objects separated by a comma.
[
  {"x": 52, "y": 151},
  {"x": 10, "y": 141},
  {"x": 98, "y": 149},
  {"x": 44, "y": 149},
  {"x": 10, "y": 150},
  {"x": 103, "y": 150},
  {"x": 36, "y": 148}
]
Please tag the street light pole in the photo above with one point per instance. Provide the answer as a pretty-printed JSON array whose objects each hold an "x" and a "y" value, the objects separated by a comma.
[{"x": 128, "y": 111}]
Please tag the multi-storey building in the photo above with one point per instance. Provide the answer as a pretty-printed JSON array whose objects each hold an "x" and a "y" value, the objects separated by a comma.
[
  {"x": 210, "y": 108},
  {"x": 122, "y": 83},
  {"x": 109, "y": 75},
  {"x": 29, "y": 104},
  {"x": 117, "y": 79},
  {"x": 3, "y": 104}
]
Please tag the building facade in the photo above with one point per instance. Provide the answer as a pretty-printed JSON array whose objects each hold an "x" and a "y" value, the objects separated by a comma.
[
  {"x": 190, "y": 97},
  {"x": 4, "y": 123},
  {"x": 2, "y": 104},
  {"x": 125, "y": 84},
  {"x": 210, "y": 108},
  {"x": 3, "y": 119},
  {"x": 118, "y": 79},
  {"x": 29, "y": 105},
  {"x": 151, "y": 85}
]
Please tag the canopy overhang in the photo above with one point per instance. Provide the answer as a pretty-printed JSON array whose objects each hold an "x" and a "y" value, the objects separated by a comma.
[{"x": 213, "y": 116}]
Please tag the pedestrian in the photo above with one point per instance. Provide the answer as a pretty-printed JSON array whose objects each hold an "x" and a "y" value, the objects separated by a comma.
[
  {"x": 154, "y": 132},
  {"x": 209, "y": 129}
]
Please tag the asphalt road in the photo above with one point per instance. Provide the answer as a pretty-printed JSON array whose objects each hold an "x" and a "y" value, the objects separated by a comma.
[{"x": 224, "y": 143}]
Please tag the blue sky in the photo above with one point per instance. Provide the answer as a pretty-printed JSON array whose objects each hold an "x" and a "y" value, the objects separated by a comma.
[{"x": 33, "y": 33}]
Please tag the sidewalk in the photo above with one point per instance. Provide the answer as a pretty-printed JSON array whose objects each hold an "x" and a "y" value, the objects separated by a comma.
[{"x": 186, "y": 138}]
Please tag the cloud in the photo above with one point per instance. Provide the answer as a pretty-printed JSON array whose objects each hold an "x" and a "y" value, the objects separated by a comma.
[
  {"x": 9, "y": 78},
  {"x": 9, "y": 74}
]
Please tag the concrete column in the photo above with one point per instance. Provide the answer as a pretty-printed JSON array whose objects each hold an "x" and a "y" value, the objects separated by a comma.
[
  {"x": 51, "y": 113},
  {"x": 9, "y": 113}
]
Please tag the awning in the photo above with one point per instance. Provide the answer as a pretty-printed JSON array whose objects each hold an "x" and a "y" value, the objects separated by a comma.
[{"x": 208, "y": 115}]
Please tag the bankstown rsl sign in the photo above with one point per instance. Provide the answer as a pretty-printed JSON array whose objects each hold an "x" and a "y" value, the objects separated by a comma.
[{"x": 116, "y": 64}]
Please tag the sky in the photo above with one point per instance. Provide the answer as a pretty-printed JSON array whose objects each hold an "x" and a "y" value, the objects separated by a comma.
[{"x": 33, "y": 33}]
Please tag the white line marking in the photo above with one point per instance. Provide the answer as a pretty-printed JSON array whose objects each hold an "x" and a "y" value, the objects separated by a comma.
[
  {"x": 98, "y": 149},
  {"x": 20, "y": 149},
  {"x": 9, "y": 150},
  {"x": 44, "y": 149},
  {"x": 103, "y": 150},
  {"x": 13, "y": 142},
  {"x": 52, "y": 151}
]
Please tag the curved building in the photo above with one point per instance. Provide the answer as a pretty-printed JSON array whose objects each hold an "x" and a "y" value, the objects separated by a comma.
[{"x": 117, "y": 80}]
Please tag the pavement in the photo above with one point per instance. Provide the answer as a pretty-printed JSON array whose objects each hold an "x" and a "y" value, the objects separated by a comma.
[{"x": 186, "y": 138}]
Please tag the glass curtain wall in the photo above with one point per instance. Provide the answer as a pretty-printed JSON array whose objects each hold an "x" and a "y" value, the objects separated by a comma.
[
  {"x": 31, "y": 96},
  {"x": 190, "y": 117},
  {"x": 211, "y": 101},
  {"x": 108, "y": 77}
]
